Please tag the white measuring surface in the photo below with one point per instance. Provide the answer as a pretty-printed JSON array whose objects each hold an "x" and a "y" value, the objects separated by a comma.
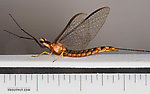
[
  {"x": 105, "y": 83},
  {"x": 94, "y": 61}
]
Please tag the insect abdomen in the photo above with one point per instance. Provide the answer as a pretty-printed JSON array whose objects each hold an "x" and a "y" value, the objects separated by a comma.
[{"x": 83, "y": 53}]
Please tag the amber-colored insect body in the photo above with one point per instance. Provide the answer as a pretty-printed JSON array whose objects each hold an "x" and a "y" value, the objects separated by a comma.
[{"x": 75, "y": 37}]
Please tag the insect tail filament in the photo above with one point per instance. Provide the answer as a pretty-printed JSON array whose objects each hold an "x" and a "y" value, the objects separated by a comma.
[{"x": 132, "y": 50}]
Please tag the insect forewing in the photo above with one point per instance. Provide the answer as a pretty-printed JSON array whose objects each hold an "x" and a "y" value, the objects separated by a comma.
[
  {"x": 74, "y": 21},
  {"x": 80, "y": 36}
]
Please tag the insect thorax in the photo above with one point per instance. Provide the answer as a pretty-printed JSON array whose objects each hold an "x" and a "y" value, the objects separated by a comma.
[{"x": 58, "y": 48}]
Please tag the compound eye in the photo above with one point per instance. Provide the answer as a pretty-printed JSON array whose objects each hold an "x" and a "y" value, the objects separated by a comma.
[
  {"x": 47, "y": 42},
  {"x": 41, "y": 41}
]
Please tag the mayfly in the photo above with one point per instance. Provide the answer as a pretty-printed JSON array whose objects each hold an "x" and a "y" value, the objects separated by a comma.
[{"x": 75, "y": 37}]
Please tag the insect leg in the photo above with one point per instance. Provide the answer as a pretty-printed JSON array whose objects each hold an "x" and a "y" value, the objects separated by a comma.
[
  {"x": 59, "y": 56},
  {"x": 44, "y": 53}
]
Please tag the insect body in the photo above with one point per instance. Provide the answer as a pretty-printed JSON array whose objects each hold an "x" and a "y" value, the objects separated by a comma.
[
  {"x": 59, "y": 48},
  {"x": 87, "y": 52},
  {"x": 75, "y": 37}
]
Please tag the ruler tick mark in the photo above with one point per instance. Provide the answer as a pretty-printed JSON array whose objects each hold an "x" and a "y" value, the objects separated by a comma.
[
  {"x": 4, "y": 78},
  {"x": 124, "y": 81},
  {"x": 129, "y": 77},
  {"x": 65, "y": 77},
  {"x": 107, "y": 77},
  {"x": 15, "y": 79},
  {"x": 37, "y": 84},
  {"x": 31, "y": 76},
  {"x": 75, "y": 77},
  {"x": 42, "y": 76},
  {"x": 53, "y": 77},
  {"x": 91, "y": 78},
  {"x": 69, "y": 79},
  {"x": 58, "y": 80},
  {"x": 20, "y": 77},
  {"x": 26, "y": 78},
  {"x": 140, "y": 77},
  {"x": 118, "y": 76},
  {"x": 9, "y": 76},
  {"x": 113, "y": 78},
  {"x": 102, "y": 80},
  {"x": 85, "y": 77},
  {"x": 145, "y": 80},
  {"x": 80, "y": 83},
  {"x": 47, "y": 78},
  {"x": 96, "y": 76},
  {"x": 135, "y": 78}
]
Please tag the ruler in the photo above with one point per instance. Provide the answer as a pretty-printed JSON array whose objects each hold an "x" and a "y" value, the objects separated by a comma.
[
  {"x": 74, "y": 83},
  {"x": 26, "y": 75}
]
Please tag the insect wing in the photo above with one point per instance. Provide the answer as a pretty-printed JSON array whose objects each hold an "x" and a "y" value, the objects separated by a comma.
[
  {"x": 74, "y": 21},
  {"x": 80, "y": 36}
]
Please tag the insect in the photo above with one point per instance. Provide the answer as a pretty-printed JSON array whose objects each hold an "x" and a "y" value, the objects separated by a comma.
[{"x": 75, "y": 37}]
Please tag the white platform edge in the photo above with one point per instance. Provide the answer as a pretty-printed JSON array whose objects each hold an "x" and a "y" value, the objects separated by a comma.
[{"x": 94, "y": 61}]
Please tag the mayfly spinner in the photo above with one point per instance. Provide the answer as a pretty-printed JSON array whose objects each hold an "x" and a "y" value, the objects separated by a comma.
[{"x": 75, "y": 37}]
